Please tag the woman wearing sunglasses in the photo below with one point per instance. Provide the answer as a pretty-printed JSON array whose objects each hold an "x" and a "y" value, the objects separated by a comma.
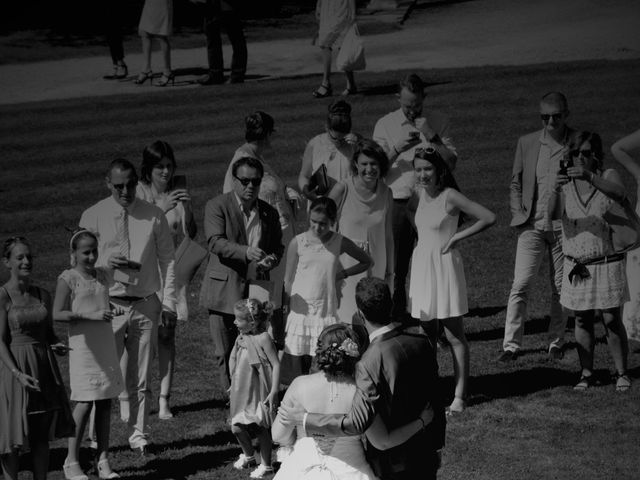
[
  {"x": 437, "y": 288},
  {"x": 594, "y": 273}
]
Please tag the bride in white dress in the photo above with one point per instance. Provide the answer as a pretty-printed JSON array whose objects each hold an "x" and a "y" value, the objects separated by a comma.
[{"x": 331, "y": 391}]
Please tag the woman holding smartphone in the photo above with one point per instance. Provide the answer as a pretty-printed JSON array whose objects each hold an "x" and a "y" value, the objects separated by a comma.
[{"x": 158, "y": 185}]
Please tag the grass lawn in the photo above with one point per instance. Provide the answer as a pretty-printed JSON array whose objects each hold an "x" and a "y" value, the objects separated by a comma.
[{"x": 524, "y": 422}]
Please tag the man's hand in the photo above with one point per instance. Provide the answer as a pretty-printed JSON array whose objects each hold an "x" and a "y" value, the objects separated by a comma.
[
  {"x": 168, "y": 319},
  {"x": 291, "y": 415},
  {"x": 427, "y": 414},
  {"x": 255, "y": 254},
  {"x": 101, "y": 315},
  {"x": 118, "y": 261}
]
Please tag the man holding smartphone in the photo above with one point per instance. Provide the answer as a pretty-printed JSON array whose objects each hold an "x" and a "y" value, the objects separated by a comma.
[
  {"x": 135, "y": 242},
  {"x": 537, "y": 161},
  {"x": 399, "y": 133}
]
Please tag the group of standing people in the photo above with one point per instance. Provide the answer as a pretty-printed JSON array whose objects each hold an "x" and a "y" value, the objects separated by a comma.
[{"x": 341, "y": 332}]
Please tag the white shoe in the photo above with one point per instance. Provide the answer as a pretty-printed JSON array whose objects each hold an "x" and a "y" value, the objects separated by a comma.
[
  {"x": 244, "y": 461},
  {"x": 261, "y": 471}
]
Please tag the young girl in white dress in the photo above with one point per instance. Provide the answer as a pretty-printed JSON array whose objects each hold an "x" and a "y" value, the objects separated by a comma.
[
  {"x": 313, "y": 268},
  {"x": 438, "y": 290},
  {"x": 82, "y": 300},
  {"x": 255, "y": 377}
]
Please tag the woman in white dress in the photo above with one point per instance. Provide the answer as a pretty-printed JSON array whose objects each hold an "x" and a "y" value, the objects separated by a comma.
[
  {"x": 624, "y": 151},
  {"x": 158, "y": 186},
  {"x": 437, "y": 289},
  {"x": 259, "y": 128},
  {"x": 333, "y": 149},
  {"x": 334, "y": 17},
  {"x": 156, "y": 21},
  {"x": 594, "y": 281},
  {"x": 331, "y": 391}
]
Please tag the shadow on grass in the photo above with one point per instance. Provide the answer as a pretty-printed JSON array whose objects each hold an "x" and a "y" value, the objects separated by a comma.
[
  {"x": 202, "y": 405},
  {"x": 485, "y": 311},
  {"x": 531, "y": 327},
  {"x": 389, "y": 88}
]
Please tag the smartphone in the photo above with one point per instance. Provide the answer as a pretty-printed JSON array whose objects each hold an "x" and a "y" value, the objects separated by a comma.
[
  {"x": 135, "y": 266},
  {"x": 180, "y": 181},
  {"x": 414, "y": 135},
  {"x": 565, "y": 163}
]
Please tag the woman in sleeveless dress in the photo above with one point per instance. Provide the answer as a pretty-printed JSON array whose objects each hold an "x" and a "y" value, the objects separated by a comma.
[
  {"x": 156, "y": 21},
  {"x": 334, "y": 149},
  {"x": 158, "y": 186},
  {"x": 259, "y": 127},
  {"x": 310, "y": 285},
  {"x": 594, "y": 273},
  {"x": 438, "y": 289},
  {"x": 622, "y": 151},
  {"x": 365, "y": 204},
  {"x": 34, "y": 407},
  {"x": 331, "y": 391}
]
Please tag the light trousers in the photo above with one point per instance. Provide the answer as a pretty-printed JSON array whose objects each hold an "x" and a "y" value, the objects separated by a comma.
[
  {"x": 135, "y": 333},
  {"x": 533, "y": 245}
]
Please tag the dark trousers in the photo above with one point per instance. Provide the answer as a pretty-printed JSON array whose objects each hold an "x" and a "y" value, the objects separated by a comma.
[
  {"x": 216, "y": 20},
  {"x": 223, "y": 333},
  {"x": 111, "y": 18},
  {"x": 404, "y": 238}
]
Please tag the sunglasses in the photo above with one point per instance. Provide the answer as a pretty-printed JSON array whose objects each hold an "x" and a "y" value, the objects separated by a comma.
[
  {"x": 584, "y": 153},
  {"x": 419, "y": 152},
  {"x": 121, "y": 186},
  {"x": 246, "y": 181},
  {"x": 546, "y": 116}
]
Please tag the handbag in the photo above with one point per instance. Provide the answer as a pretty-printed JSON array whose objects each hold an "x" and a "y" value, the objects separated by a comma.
[
  {"x": 189, "y": 255},
  {"x": 625, "y": 226},
  {"x": 351, "y": 55},
  {"x": 320, "y": 181}
]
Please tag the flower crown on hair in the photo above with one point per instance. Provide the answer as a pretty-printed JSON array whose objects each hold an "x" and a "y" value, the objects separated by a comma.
[{"x": 349, "y": 347}]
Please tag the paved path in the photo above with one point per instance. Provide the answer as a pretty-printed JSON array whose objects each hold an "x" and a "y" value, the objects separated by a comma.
[{"x": 467, "y": 33}]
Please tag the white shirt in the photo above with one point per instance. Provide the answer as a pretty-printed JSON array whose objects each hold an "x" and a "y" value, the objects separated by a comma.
[
  {"x": 394, "y": 127},
  {"x": 150, "y": 241},
  {"x": 383, "y": 330},
  {"x": 253, "y": 227},
  {"x": 549, "y": 156}
]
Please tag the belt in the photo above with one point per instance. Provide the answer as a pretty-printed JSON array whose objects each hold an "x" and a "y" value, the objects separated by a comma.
[
  {"x": 580, "y": 268},
  {"x": 130, "y": 299},
  {"x": 401, "y": 200}
]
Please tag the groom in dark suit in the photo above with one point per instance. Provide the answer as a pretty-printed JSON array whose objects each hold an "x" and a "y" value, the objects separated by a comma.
[
  {"x": 245, "y": 242},
  {"x": 397, "y": 377}
]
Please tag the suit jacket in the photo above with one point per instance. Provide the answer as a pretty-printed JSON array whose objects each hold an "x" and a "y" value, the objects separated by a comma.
[
  {"x": 396, "y": 377},
  {"x": 522, "y": 190},
  {"x": 225, "y": 279}
]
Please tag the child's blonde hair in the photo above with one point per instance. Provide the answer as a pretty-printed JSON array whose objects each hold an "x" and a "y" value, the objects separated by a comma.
[{"x": 256, "y": 311}]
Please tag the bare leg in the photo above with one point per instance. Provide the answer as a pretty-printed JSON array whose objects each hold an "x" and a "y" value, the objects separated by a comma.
[
  {"x": 586, "y": 340},
  {"x": 146, "y": 51},
  {"x": 266, "y": 444},
  {"x": 351, "y": 82},
  {"x": 103, "y": 426},
  {"x": 39, "y": 426},
  {"x": 454, "y": 330},
  {"x": 81, "y": 414},
  {"x": 10, "y": 465},
  {"x": 166, "y": 362},
  {"x": 326, "y": 65},
  {"x": 244, "y": 439},
  {"x": 616, "y": 338},
  {"x": 165, "y": 48}
]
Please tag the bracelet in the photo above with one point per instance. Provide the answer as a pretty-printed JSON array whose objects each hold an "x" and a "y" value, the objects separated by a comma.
[
  {"x": 15, "y": 372},
  {"x": 422, "y": 421}
]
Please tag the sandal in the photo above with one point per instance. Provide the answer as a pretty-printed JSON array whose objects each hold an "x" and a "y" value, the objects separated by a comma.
[
  {"x": 623, "y": 382},
  {"x": 349, "y": 91},
  {"x": 586, "y": 381},
  {"x": 457, "y": 406},
  {"x": 143, "y": 77},
  {"x": 165, "y": 79},
  {"x": 323, "y": 91},
  {"x": 72, "y": 471}
]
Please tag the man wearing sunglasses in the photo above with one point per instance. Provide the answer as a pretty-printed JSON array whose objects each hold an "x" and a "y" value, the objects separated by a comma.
[
  {"x": 399, "y": 133},
  {"x": 135, "y": 243},
  {"x": 536, "y": 164},
  {"x": 244, "y": 238}
]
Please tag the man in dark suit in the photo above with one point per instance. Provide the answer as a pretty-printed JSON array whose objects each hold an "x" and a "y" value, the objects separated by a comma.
[
  {"x": 397, "y": 377},
  {"x": 245, "y": 241}
]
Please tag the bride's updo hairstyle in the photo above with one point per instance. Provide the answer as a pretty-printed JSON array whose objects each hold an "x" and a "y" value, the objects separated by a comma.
[{"x": 338, "y": 351}]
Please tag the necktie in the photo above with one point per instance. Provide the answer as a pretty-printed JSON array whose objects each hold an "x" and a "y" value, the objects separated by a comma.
[{"x": 123, "y": 233}]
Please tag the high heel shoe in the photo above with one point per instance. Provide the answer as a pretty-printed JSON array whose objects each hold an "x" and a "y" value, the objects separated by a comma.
[
  {"x": 457, "y": 406},
  {"x": 104, "y": 470},
  {"x": 323, "y": 91},
  {"x": 72, "y": 471},
  {"x": 165, "y": 79},
  {"x": 143, "y": 77}
]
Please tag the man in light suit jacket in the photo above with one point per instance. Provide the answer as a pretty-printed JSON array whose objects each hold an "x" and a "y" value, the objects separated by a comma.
[
  {"x": 245, "y": 241},
  {"x": 397, "y": 377},
  {"x": 536, "y": 165}
]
